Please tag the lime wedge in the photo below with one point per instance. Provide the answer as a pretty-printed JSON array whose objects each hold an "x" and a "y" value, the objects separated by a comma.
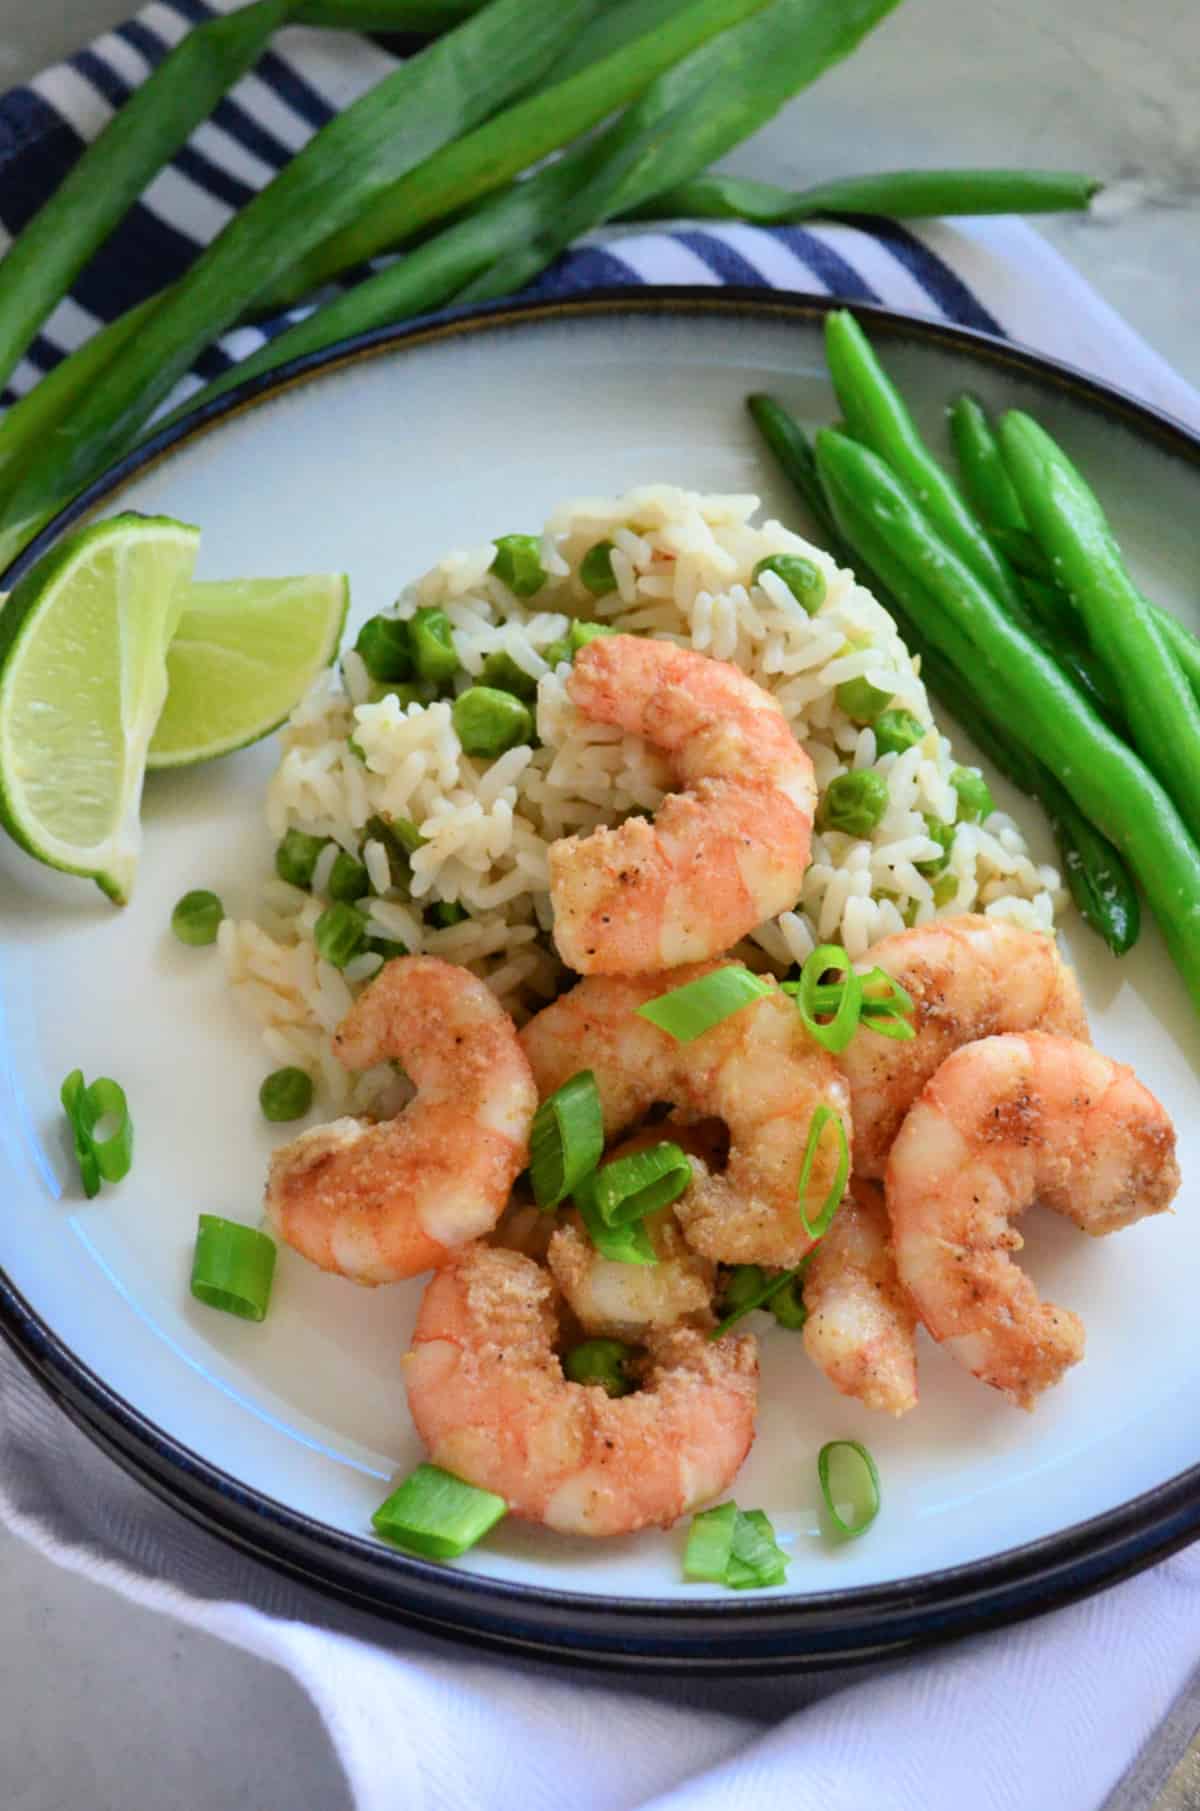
[
  {"x": 83, "y": 676},
  {"x": 244, "y": 654}
]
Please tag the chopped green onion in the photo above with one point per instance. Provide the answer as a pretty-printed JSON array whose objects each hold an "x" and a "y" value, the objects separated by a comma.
[
  {"x": 804, "y": 580},
  {"x": 945, "y": 890},
  {"x": 755, "y": 1561},
  {"x": 348, "y": 879},
  {"x": 433, "y": 645},
  {"x": 488, "y": 722},
  {"x": 628, "y": 1243},
  {"x": 518, "y": 563},
  {"x": 296, "y": 857},
  {"x": 286, "y": 1094},
  {"x": 501, "y": 671},
  {"x": 888, "y": 1013},
  {"x": 743, "y": 1286},
  {"x": 566, "y": 1141},
  {"x": 689, "y": 1011},
  {"x": 385, "y": 647},
  {"x": 762, "y": 1297},
  {"x": 595, "y": 569},
  {"x": 895, "y": 731},
  {"x": 233, "y": 1267},
  {"x": 196, "y": 917},
  {"x": 848, "y": 1476},
  {"x": 86, "y": 1106},
  {"x": 822, "y": 1117},
  {"x": 445, "y": 912},
  {"x": 975, "y": 801},
  {"x": 787, "y": 1304},
  {"x": 632, "y": 1187},
  {"x": 340, "y": 933},
  {"x": 837, "y": 1033},
  {"x": 603, "y": 1362},
  {"x": 710, "y": 1544},
  {"x": 436, "y": 1515}
]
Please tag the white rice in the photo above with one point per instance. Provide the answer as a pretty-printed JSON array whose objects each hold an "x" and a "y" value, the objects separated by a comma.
[{"x": 683, "y": 566}]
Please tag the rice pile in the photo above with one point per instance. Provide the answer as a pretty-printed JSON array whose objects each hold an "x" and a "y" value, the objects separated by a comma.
[{"x": 683, "y": 565}]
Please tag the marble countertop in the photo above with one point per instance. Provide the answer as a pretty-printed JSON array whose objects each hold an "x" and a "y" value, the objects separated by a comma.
[{"x": 112, "y": 1708}]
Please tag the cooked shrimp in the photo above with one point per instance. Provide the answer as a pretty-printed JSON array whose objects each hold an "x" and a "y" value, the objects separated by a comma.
[
  {"x": 381, "y": 1202},
  {"x": 723, "y": 854},
  {"x": 624, "y": 1299},
  {"x": 489, "y": 1399},
  {"x": 1005, "y": 1121},
  {"x": 861, "y": 1326},
  {"x": 758, "y": 1071},
  {"x": 969, "y": 978}
]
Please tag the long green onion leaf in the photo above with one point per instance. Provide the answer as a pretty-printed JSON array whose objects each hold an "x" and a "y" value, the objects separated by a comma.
[
  {"x": 849, "y": 1479},
  {"x": 630, "y": 1188},
  {"x": 628, "y": 1243},
  {"x": 422, "y": 106},
  {"x": 567, "y": 1139},
  {"x": 687, "y": 1012},
  {"x": 233, "y": 1267},
  {"x": 761, "y": 1298},
  {"x": 755, "y": 1561},
  {"x": 837, "y": 1032},
  {"x": 710, "y": 1544},
  {"x": 435, "y": 1514},
  {"x": 88, "y": 1107},
  {"x": 897, "y": 194},
  {"x": 386, "y": 15},
  {"x": 823, "y": 1116}
]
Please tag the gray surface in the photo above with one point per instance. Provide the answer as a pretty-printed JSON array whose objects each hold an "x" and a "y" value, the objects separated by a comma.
[{"x": 105, "y": 1706}]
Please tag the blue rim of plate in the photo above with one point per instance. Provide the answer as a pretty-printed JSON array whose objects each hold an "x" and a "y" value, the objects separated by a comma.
[{"x": 743, "y": 1634}]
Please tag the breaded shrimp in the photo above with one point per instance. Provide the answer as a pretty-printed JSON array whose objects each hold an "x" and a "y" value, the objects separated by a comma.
[
  {"x": 861, "y": 1326},
  {"x": 381, "y": 1202},
  {"x": 969, "y": 977},
  {"x": 489, "y": 1399},
  {"x": 624, "y": 1299},
  {"x": 1004, "y": 1122},
  {"x": 723, "y": 854},
  {"x": 758, "y": 1071}
]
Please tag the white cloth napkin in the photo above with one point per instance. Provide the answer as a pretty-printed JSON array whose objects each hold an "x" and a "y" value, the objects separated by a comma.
[{"x": 1048, "y": 1714}]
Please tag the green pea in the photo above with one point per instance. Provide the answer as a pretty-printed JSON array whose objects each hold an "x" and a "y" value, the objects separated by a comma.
[
  {"x": 286, "y": 1094},
  {"x": 501, "y": 672},
  {"x": 942, "y": 833},
  {"x": 581, "y": 633},
  {"x": 348, "y": 879},
  {"x": 385, "y": 647},
  {"x": 406, "y": 692},
  {"x": 518, "y": 563},
  {"x": 296, "y": 857},
  {"x": 196, "y": 917},
  {"x": 975, "y": 801},
  {"x": 805, "y": 581},
  {"x": 445, "y": 912},
  {"x": 908, "y": 911},
  {"x": 945, "y": 890},
  {"x": 557, "y": 652},
  {"x": 862, "y": 701},
  {"x": 787, "y": 1305},
  {"x": 488, "y": 721},
  {"x": 853, "y": 803},
  {"x": 595, "y": 569},
  {"x": 600, "y": 1361},
  {"x": 387, "y": 947},
  {"x": 741, "y": 1286},
  {"x": 340, "y": 933},
  {"x": 397, "y": 839},
  {"x": 433, "y": 645},
  {"x": 895, "y": 731}
]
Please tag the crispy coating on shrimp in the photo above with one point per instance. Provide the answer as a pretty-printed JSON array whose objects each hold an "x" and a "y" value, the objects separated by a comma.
[
  {"x": 724, "y": 853},
  {"x": 1006, "y": 1121},
  {"x": 381, "y": 1202},
  {"x": 970, "y": 977},
  {"x": 489, "y": 1399},
  {"x": 758, "y": 1071},
  {"x": 861, "y": 1326}
]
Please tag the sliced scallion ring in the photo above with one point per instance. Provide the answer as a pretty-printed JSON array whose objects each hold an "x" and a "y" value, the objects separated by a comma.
[
  {"x": 631, "y": 1187},
  {"x": 435, "y": 1514},
  {"x": 760, "y": 1298},
  {"x": 627, "y": 1244},
  {"x": 848, "y": 1476},
  {"x": 567, "y": 1139},
  {"x": 811, "y": 996},
  {"x": 88, "y": 1106},
  {"x": 233, "y": 1267},
  {"x": 889, "y": 1012},
  {"x": 710, "y": 1544},
  {"x": 823, "y": 1116},
  {"x": 689, "y": 1011}
]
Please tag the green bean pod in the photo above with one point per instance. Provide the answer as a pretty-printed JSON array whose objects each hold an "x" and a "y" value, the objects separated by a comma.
[
  {"x": 987, "y": 484},
  {"x": 1162, "y": 711},
  {"x": 1108, "y": 783},
  {"x": 790, "y": 445}
]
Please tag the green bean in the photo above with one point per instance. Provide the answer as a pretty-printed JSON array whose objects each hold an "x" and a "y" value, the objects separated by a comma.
[
  {"x": 877, "y": 415},
  {"x": 898, "y": 194},
  {"x": 789, "y": 443},
  {"x": 1161, "y": 709},
  {"x": 987, "y": 484},
  {"x": 422, "y": 106},
  {"x": 1021, "y": 684}
]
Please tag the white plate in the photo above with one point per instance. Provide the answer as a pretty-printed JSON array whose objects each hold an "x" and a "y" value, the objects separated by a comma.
[{"x": 286, "y": 1435}]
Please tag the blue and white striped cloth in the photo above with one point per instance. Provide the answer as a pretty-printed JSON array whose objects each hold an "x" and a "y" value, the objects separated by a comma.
[{"x": 1048, "y": 1714}]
